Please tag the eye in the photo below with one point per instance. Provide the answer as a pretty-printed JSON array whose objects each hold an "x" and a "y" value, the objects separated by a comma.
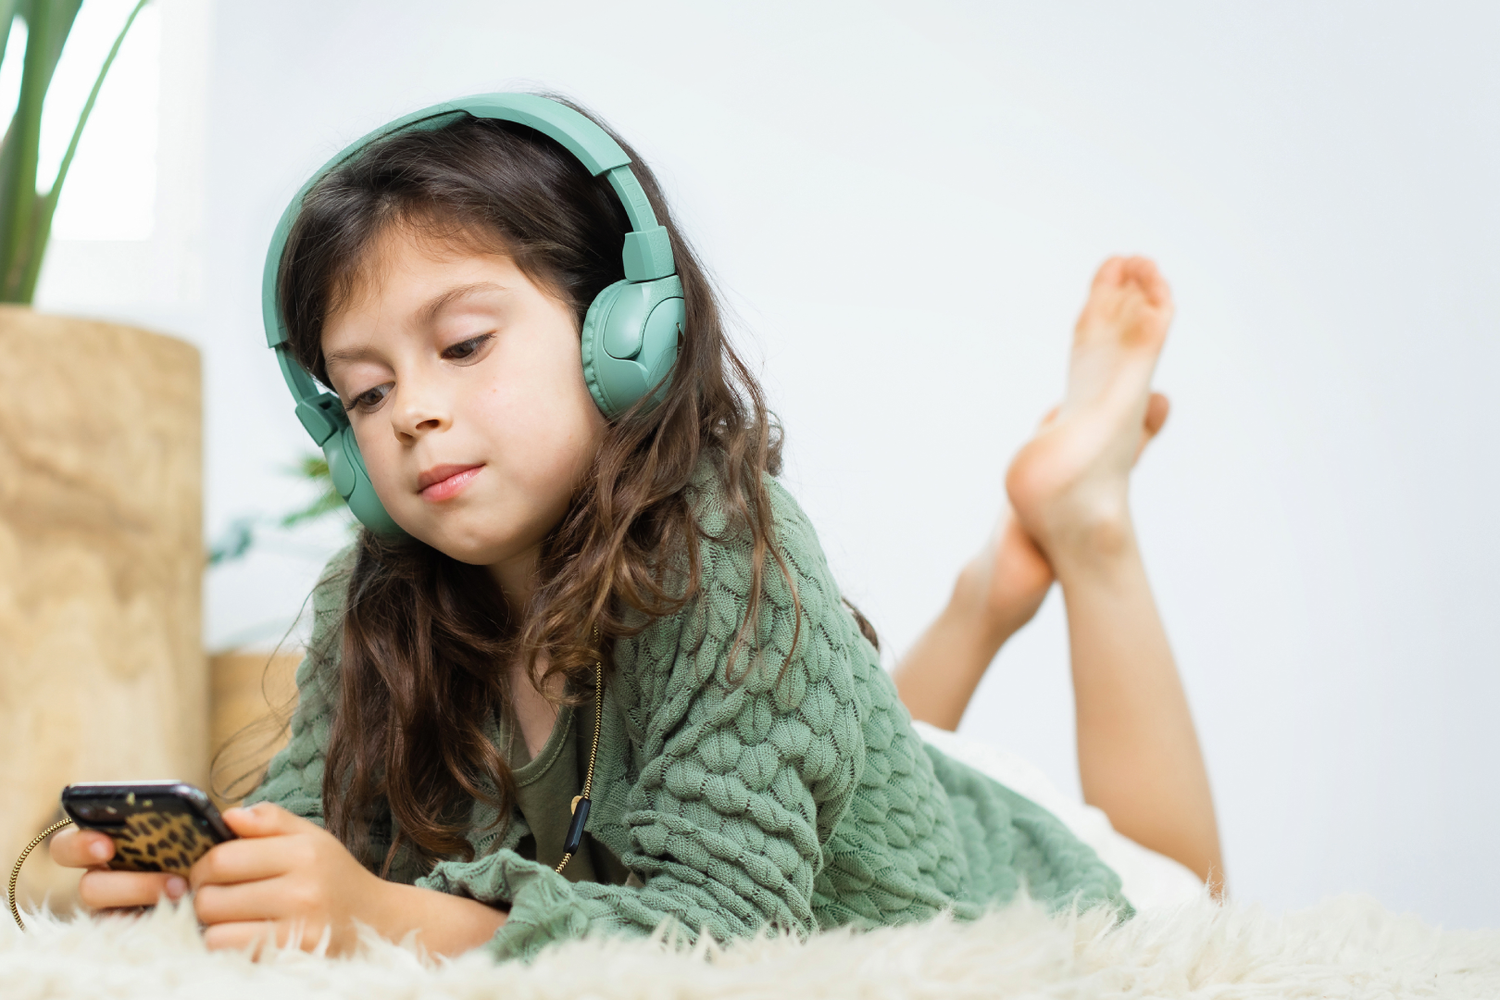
[
  {"x": 466, "y": 350},
  {"x": 369, "y": 399}
]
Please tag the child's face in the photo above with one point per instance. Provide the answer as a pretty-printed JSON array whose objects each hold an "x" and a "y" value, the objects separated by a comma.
[{"x": 464, "y": 383}]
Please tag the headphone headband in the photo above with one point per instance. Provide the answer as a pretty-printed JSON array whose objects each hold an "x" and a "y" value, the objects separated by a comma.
[{"x": 647, "y": 253}]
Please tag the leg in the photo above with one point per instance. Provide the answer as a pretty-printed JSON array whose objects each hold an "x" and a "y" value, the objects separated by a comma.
[
  {"x": 1138, "y": 753},
  {"x": 996, "y": 593}
]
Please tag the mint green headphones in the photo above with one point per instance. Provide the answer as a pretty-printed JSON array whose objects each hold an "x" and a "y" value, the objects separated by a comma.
[{"x": 631, "y": 329}]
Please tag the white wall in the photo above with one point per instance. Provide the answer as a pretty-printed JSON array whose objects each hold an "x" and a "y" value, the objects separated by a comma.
[{"x": 904, "y": 205}]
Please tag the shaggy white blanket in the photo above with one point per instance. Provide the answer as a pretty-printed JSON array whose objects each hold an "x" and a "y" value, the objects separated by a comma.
[
  {"x": 1181, "y": 944},
  {"x": 1344, "y": 947}
]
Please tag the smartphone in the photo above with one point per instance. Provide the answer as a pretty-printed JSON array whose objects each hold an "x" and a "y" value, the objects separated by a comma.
[{"x": 157, "y": 826}]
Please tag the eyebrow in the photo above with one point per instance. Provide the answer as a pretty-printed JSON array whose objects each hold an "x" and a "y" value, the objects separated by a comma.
[
  {"x": 432, "y": 309},
  {"x": 347, "y": 355},
  {"x": 425, "y": 316}
]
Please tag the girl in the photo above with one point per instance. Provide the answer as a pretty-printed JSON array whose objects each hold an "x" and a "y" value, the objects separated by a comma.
[{"x": 632, "y": 612}]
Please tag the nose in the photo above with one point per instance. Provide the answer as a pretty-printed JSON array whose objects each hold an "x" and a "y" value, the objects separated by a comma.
[{"x": 419, "y": 411}]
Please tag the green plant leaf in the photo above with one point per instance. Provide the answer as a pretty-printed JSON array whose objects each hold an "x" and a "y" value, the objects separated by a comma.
[
  {"x": 314, "y": 468},
  {"x": 234, "y": 543},
  {"x": 7, "y": 20},
  {"x": 47, "y": 25},
  {"x": 26, "y": 213},
  {"x": 47, "y": 205},
  {"x": 240, "y": 536}
]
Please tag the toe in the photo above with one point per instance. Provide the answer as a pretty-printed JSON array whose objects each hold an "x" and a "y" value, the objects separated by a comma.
[
  {"x": 1143, "y": 272},
  {"x": 1110, "y": 274},
  {"x": 1157, "y": 408}
]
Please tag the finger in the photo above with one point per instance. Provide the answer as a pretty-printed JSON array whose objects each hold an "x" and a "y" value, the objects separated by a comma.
[
  {"x": 251, "y": 935},
  {"x": 245, "y": 860},
  {"x": 264, "y": 819},
  {"x": 101, "y": 889},
  {"x": 266, "y": 899},
  {"x": 75, "y": 848},
  {"x": 259, "y": 936}
]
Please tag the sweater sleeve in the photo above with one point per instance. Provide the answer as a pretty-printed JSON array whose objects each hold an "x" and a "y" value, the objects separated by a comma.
[
  {"x": 294, "y": 777},
  {"x": 744, "y": 769}
]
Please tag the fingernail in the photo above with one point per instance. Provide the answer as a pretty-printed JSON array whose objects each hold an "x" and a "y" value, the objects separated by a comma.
[
  {"x": 100, "y": 849},
  {"x": 176, "y": 886}
]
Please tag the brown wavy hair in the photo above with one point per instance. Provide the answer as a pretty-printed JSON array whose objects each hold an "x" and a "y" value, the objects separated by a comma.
[{"x": 425, "y": 638}]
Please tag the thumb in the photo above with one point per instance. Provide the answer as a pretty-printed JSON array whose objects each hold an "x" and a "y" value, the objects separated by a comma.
[{"x": 264, "y": 819}]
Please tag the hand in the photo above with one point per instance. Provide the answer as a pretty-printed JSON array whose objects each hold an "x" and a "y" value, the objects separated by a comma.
[
  {"x": 285, "y": 876},
  {"x": 101, "y": 888}
]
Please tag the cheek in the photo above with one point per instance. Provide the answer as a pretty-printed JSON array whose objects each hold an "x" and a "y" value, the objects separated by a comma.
[
  {"x": 381, "y": 454},
  {"x": 543, "y": 433},
  {"x": 529, "y": 417}
]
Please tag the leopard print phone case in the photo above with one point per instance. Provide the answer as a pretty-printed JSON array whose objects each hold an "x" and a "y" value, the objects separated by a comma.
[{"x": 157, "y": 826}]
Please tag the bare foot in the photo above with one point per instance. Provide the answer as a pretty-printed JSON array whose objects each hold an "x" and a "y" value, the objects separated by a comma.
[
  {"x": 1010, "y": 576},
  {"x": 1069, "y": 485}
]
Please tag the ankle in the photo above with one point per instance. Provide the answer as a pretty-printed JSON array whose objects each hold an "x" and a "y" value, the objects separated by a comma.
[
  {"x": 1056, "y": 493},
  {"x": 973, "y": 610},
  {"x": 1085, "y": 518},
  {"x": 1092, "y": 546}
]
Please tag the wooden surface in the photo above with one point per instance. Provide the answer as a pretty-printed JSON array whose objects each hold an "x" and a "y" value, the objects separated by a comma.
[
  {"x": 102, "y": 672},
  {"x": 252, "y": 698}
]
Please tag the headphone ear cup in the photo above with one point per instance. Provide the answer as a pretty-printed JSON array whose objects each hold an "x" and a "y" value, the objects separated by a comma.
[
  {"x": 630, "y": 337},
  {"x": 595, "y": 359},
  {"x": 664, "y": 328},
  {"x": 346, "y": 467}
]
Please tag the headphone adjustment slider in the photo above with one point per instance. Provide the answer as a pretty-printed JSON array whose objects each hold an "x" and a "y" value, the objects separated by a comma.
[{"x": 317, "y": 419}]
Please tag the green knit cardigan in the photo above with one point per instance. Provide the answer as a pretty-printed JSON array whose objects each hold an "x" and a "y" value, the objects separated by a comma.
[{"x": 798, "y": 798}]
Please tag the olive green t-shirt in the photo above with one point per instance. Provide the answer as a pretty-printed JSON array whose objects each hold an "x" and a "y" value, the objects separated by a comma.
[{"x": 545, "y": 786}]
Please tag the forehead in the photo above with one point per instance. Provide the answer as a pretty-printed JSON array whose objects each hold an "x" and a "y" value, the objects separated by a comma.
[
  {"x": 403, "y": 261},
  {"x": 411, "y": 283}
]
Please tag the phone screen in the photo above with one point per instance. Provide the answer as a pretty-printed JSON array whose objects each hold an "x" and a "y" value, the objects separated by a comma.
[{"x": 157, "y": 826}]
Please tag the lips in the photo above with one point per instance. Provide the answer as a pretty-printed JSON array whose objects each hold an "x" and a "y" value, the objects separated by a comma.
[{"x": 444, "y": 481}]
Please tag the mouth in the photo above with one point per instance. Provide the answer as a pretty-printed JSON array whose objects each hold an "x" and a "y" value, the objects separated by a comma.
[{"x": 445, "y": 481}]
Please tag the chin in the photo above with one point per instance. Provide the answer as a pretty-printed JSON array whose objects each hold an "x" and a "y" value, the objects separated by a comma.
[
  {"x": 477, "y": 546},
  {"x": 471, "y": 551}
]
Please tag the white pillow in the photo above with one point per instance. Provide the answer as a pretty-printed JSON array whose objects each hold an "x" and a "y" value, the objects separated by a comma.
[{"x": 1150, "y": 880}]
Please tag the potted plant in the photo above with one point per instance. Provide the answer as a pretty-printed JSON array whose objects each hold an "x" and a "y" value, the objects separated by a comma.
[{"x": 102, "y": 673}]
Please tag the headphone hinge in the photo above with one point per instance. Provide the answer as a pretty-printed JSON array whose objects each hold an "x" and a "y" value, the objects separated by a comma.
[{"x": 315, "y": 417}]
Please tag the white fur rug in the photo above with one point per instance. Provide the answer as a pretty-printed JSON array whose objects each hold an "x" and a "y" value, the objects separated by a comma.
[{"x": 1345, "y": 947}]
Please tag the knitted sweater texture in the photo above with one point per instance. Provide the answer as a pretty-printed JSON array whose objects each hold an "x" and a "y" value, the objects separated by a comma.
[{"x": 745, "y": 795}]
